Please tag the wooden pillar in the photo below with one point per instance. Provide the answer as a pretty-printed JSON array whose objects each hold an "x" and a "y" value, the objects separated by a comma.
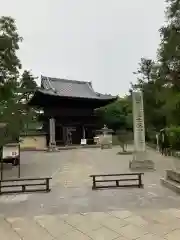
[
  {"x": 83, "y": 133},
  {"x": 64, "y": 135},
  {"x": 52, "y": 140}
]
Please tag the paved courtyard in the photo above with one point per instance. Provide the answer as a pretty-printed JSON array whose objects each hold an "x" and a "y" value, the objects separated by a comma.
[{"x": 72, "y": 209}]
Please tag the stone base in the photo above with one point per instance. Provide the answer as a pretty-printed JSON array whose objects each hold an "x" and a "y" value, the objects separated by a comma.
[
  {"x": 172, "y": 180},
  {"x": 173, "y": 175},
  {"x": 52, "y": 149},
  {"x": 106, "y": 146},
  {"x": 125, "y": 153},
  {"x": 174, "y": 186},
  {"x": 141, "y": 164}
]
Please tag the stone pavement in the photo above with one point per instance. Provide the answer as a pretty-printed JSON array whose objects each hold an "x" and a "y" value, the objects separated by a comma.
[
  {"x": 117, "y": 225},
  {"x": 73, "y": 210},
  {"x": 71, "y": 184}
]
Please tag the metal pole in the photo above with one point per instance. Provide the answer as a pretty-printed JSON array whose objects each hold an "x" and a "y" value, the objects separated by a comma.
[
  {"x": 1, "y": 147},
  {"x": 1, "y": 155},
  {"x": 19, "y": 166}
]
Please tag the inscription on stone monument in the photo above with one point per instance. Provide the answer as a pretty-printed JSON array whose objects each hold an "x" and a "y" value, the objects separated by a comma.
[
  {"x": 138, "y": 121},
  {"x": 52, "y": 142},
  {"x": 140, "y": 160}
]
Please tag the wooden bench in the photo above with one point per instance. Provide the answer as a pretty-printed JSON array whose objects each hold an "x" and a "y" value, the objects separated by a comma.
[
  {"x": 117, "y": 178},
  {"x": 22, "y": 185}
]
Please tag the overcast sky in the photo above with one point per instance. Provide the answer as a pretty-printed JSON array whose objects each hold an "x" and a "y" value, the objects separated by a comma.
[{"x": 90, "y": 40}]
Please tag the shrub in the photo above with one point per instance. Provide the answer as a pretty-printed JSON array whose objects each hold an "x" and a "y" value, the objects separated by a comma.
[
  {"x": 151, "y": 136},
  {"x": 174, "y": 137},
  {"x": 124, "y": 138}
]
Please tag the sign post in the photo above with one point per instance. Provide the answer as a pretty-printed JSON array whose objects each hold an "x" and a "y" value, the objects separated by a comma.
[
  {"x": 140, "y": 155},
  {"x": 2, "y": 142}
]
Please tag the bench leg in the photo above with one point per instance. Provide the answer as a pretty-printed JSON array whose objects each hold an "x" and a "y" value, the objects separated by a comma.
[
  {"x": 94, "y": 183},
  {"x": 117, "y": 183},
  {"x": 47, "y": 185},
  {"x": 23, "y": 188},
  {"x": 140, "y": 181}
]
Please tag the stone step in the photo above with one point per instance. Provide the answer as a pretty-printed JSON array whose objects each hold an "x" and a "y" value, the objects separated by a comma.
[
  {"x": 173, "y": 175},
  {"x": 171, "y": 184}
]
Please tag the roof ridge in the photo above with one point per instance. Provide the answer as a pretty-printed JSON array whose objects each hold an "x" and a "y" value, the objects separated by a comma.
[
  {"x": 70, "y": 88},
  {"x": 104, "y": 94},
  {"x": 46, "y": 83},
  {"x": 91, "y": 88},
  {"x": 64, "y": 80}
]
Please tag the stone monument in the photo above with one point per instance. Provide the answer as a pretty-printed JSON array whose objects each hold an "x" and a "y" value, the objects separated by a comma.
[{"x": 139, "y": 160}]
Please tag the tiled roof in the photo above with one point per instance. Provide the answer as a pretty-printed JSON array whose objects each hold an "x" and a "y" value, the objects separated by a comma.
[{"x": 70, "y": 88}]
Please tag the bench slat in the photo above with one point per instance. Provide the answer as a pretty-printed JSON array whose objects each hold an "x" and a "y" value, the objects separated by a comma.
[
  {"x": 119, "y": 186},
  {"x": 119, "y": 180},
  {"x": 121, "y": 174},
  {"x": 26, "y": 185},
  {"x": 27, "y": 191},
  {"x": 24, "y": 179}
]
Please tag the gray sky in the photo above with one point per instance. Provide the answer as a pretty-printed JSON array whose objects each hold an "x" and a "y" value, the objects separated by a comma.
[{"x": 95, "y": 40}]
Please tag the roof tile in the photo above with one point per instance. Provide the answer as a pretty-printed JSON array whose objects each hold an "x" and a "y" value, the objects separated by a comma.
[{"x": 70, "y": 88}]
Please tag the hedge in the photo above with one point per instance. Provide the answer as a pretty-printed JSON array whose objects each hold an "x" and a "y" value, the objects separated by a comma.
[{"x": 174, "y": 137}]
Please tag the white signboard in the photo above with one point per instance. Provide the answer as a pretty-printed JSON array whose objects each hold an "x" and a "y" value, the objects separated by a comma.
[
  {"x": 138, "y": 122},
  {"x": 83, "y": 141},
  {"x": 10, "y": 152}
]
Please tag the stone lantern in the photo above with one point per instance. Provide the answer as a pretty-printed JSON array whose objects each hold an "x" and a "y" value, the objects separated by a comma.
[{"x": 104, "y": 137}]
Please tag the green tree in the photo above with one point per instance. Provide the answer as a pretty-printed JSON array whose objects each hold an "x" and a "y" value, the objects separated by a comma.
[
  {"x": 9, "y": 44},
  {"x": 9, "y": 61},
  {"x": 27, "y": 85},
  {"x": 124, "y": 137},
  {"x": 160, "y": 80},
  {"x": 15, "y": 91},
  {"x": 145, "y": 70},
  {"x": 9, "y": 72},
  {"x": 169, "y": 58},
  {"x": 169, "y": 50},
  {"x": 117, "y": 115},
  {"x": 149, "y": 82}
]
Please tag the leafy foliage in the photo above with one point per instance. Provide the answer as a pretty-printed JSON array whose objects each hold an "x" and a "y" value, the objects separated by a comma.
[
  {"x": 159, "y": 80},
  {"x": 174, "y": 137},
  {"x": 15, "y": 91},
  {"x": 117, "y": 115},
  {"x": 27, "y": 85},
  {"x": 124, "y": 138},
  {"x": 9, "y": 44}
]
